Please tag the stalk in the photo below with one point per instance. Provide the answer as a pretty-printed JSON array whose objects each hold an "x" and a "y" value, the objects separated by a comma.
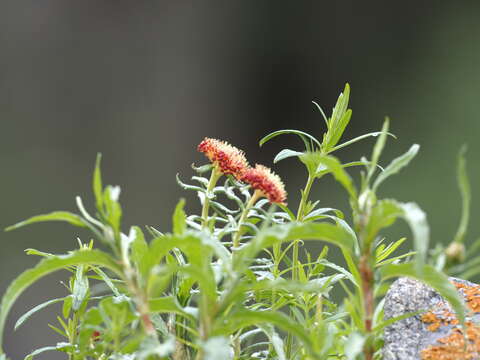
[
  {"x": 366, "y": 271},
  {"x": 206, "y": 202},
  {"x": 295, "y": 247},
  {"x": 236, "y": 239},
  {"x": 300, "y": 215}
]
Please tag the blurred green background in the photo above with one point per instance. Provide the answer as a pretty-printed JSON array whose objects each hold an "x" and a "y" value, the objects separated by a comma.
[{"x": 144, "y": 81}]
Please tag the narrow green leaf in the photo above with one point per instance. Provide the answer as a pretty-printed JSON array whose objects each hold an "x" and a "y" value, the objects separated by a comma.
[
  {"x": 303, "y": 135},
  {"x": 39, "y": 351},
  {"x": 97, "y": 184},
  {"x": 47, "y": 266},
  {"x": 286, "y": 153},
  {"x": 319, "y": 165},
  {"x": 321, "y": 112},
  {"x": 396, "y": 165},
  {"x": 340, "y": 128},
  {"x": 275, "y": 339},
  {"x": 358, "y": 138},
  {"x": 167, "y": 304},
  {"x": 244, "y": 318},
  {"x": 80, "y": 288},
  {"x": 464, "y": 185},
  {"x": 417, "y": 220},
  {"x": 378, "y": 148},
  {"x": 354, "y": 345},
  {"x": 332, "y": 233},
  {"x": 37, "y": 308},
  {"x": 53, "y": 216},
  {"x": 433, "y": 278},
  {"x": 139, "y": 250},
  {"x": 179, "y": 218}
]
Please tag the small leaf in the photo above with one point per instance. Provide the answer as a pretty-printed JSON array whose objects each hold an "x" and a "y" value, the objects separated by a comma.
[
  {"x": 286, "y": 153},
  {"x": 319, "y": 165},
  {"x": 139, "y": 250},
  {"x": 97, "y": 184},
  {"x": 39, "y": 351},
  {"x": 179, "y": 218},
  {"x": 37, "y": 308},
  {"x": 53, "y": 216},
  {"x": 303, "y": 135},
  {"x": 354, "y": 345},
  {"x": 218, "y": 348},
  {"x": 396, "y": 165},
  {"x": 167, "y": 304},
  {"x": 358, "y": 138},
  {"x": 417, "y": 220},
  {"x": 378, "y": 148},
  {"x": 464, "y": 185},
  {"x": 275, "y": 339},
  {"x": 80, "y": 288}
]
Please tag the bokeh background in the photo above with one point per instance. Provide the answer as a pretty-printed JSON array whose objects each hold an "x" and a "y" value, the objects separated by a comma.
[{"x": 144, "y": 81}]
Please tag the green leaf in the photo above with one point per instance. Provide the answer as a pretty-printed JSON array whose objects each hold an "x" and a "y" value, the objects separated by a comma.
[
  {"x": 139, "y": 251},
  {"x": 244, "y": 318},
  {"x": 378, "y": 148},
  {"x": 433, "y": 278},
  {"x": 384, "y": 214},
  {"x": 39, "y": 351},
  {"x": 47, "y": 266},
  {"x": 303, "y": 135},
  {"x": 339, "y": 129},
  {"x": 385, "y": 252},
  {"x": 113, "y": 209},
  {"x": 358, "y": 138},
  {"x": 53, "y": 216},
  {"x": 396, "y": 165},
  {"x": 275, "y": 339},
  {"x": 338, "y": 121},
  {"x": 167, "y": 304},
  {"x": 217, "y": 348},
  {"x": 80, "y": 288},
  {"x": 37, "y": 308},
  {"x": 319, "y": 165},
  {"x": 417, "y": 220},
  {"x": 464, "y": 185},
  {"x": 354, "y": 345},
  {"x": 332, "y": 233},
  {"x": 97, "y": 184},
  {"x": 286, "y": 153},
  {"x": 179, "y": 218}
]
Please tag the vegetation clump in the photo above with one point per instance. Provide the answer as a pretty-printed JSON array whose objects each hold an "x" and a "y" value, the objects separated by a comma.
[{"x": 236, "y": 281}]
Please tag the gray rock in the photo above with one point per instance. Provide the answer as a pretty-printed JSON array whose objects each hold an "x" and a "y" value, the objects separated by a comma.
[{"x": 405, "y": 339}]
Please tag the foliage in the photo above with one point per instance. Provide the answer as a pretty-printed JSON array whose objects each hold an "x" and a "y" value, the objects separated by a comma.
[{"x": 230, "y": 283}]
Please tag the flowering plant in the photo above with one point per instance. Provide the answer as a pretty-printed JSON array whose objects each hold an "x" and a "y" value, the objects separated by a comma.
[{"x": 229, "y": 283}]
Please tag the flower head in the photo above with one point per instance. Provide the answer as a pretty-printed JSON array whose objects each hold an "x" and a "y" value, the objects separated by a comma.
[
  {"x": 267, "y": 182},
  {"x": 227, "y": 158}
]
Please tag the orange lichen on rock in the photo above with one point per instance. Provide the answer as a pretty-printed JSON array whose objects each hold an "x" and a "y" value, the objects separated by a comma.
[
  {"x": 471, "y": 295},
  {"x": 453, "y": 347}
]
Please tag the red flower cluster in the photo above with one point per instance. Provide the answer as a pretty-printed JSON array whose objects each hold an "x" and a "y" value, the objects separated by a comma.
[
  {"x": 226, "y": 157},
  {"x": 267, "y": 182},
  {"x": 230, "y": 160}
]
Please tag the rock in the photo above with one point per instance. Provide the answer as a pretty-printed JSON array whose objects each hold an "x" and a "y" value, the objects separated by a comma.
[{"x": 434, "y": 333}]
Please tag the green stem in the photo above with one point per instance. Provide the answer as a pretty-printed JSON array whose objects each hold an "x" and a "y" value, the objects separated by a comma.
[
  {"x": 206, "y": 202},
  {"x": 300, "y": 216},
  {"x": 295, "y": 246},
  {"x": 236, "y": 239}
]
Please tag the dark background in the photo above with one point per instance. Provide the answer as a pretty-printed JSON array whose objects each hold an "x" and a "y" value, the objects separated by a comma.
[{"x": 144, "y": 81}]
